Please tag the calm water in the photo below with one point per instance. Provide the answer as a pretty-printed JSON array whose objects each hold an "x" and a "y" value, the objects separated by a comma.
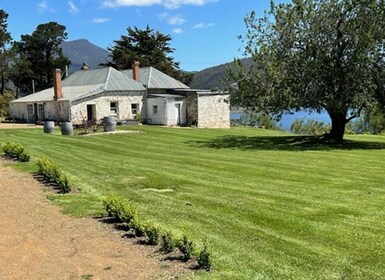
[{"x": 288, "y": 119}]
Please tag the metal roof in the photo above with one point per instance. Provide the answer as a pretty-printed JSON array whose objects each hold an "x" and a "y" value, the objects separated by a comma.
[
  {"x": 86, "y": 83},
  {"x": 110, "y": 77},
  {"x": 152, "y": 78},
  {"x": 164, "y": 95}
]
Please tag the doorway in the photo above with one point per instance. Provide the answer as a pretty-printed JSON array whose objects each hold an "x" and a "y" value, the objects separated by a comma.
[
  {"x": 177, "y": 114},
  {"x": 91, "y": 114}
]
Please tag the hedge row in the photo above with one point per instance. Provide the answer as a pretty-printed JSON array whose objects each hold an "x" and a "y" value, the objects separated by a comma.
[
  {"x": 124, "y": 212},
  {"x": 53, "y": 173},
  {"x": 15, "y": 151}
]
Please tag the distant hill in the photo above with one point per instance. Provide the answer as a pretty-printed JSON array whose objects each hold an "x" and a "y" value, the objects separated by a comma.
[
  {"x": 79, "y": 51},
  {"x": 212, "y": 77}
]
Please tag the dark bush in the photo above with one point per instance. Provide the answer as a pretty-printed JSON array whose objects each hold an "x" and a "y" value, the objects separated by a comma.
[
  {"x": 15, "y": 151},
  {"x": 186, "y": 247}
]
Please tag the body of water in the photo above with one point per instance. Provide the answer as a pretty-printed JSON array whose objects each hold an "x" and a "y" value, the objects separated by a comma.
[{"x": 288, "y": 119}]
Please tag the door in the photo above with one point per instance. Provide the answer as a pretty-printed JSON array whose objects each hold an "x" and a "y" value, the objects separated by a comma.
[
  {"x": 177, "y": 114},
  {"x": 91, "y": 114}
]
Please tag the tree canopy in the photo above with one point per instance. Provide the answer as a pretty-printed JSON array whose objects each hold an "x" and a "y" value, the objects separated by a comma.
[
  {"x": 5, "y": 53},
  {"x": 150, "y": 48},
  {"x": 38, "y": 54},
  {"x": 315, "y": 54}
]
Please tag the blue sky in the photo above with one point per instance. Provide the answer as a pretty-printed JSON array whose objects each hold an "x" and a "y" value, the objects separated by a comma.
[{"x": 204, "y": 32}]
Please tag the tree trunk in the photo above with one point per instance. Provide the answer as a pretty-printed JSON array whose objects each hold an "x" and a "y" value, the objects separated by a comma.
[
  {"x": 337, "y": 131},
  {"x": 2, "y": 88}
]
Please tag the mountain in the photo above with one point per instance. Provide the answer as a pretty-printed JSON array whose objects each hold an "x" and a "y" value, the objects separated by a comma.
[
  {"x": 213, "y": 77},
  {"x": 79, "y": 51}
]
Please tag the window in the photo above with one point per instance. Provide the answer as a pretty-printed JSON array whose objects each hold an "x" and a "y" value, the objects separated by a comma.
[
  {"x": 30, "y": 113},
  {"x": 30, "y": 110},
  {"x": 154, "y": 109},
  {"x": 40, "y": 112},
  {"x": 114, "y": 108},
  {"x": 134, "y": 109}
]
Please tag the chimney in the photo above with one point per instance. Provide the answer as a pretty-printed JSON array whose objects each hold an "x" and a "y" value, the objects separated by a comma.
[
  {"x": 85, "y": 66},
  {"x": 58, "y": 93},
  {"x": 135, "y": 71}
]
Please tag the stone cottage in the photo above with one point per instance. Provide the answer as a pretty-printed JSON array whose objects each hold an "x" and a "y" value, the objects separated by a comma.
[
  {"x": 91, "y": 95},
  {"x": 85, "y": 96}
]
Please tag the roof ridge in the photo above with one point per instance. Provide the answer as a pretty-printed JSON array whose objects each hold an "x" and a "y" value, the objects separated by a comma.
[
  {"x": 107, "y": 78},
  {"x": 149, "y": 77}
]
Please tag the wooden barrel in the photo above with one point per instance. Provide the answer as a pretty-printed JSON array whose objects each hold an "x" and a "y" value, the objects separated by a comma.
[
  {"x": 48, "y": 126},
  {"x": 66, "y": 128},
  {"x": 109, "y": 124}
]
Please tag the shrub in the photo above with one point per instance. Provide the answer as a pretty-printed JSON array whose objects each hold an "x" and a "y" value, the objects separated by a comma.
[
  {"x": 152, "y": 232},
  {"x": 15, "y": 151},
  {"x": 128, "y": 213},
  {"x": 204, "y": 259},
  {"x": 113, "y": 205},
  {"x": 168, "y": 242},
  {"x": 137, "y": 226},
  {"x": 311, "y": 127},
  {"x": 186, "y": 247},
  {"x": 65, "y": 183},
  {"x": 53, "y": 173},
  {"x": 120, "y": 209}
]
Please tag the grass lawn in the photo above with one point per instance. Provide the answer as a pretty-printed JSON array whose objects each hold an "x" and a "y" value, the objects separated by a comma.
[{"x": 270, "y": 206}]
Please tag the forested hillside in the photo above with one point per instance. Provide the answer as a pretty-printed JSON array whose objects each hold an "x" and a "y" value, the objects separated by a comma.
[
  {"x": 213, "y": 77},
  {"x": 82, "y": 50}
]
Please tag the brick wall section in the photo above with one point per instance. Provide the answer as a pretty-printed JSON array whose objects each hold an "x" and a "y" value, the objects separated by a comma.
[{"x": 213, "y": 110}]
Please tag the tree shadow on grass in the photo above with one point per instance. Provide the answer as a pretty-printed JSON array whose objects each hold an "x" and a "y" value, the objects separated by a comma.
[{"x": 284, "y": 143}]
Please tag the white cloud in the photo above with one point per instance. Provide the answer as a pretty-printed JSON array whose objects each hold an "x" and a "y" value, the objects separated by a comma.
[
  {"x": 202, "y": 25},
  {"x": 169, "y": 4},
  {"x": 73, "y": 9},
  {"x": 172, "y": 20},
  {"x": 100, "y": 20},
  {"x": 43, "y": 6},
  {"x": 177, "y": 30},
  {"x": 176, "y": 20}
]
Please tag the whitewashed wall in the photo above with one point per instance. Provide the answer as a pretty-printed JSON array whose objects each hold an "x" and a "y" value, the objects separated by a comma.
[{"x": 159, "y": 118}]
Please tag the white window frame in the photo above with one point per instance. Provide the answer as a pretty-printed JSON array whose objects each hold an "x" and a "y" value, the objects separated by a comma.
[
  {"x": 134, "y": 109},
  {"x": 114, "y": 110}
]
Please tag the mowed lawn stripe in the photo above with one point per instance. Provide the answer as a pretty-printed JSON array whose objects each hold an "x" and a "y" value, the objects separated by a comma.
[{"x": 269, "y": 208}]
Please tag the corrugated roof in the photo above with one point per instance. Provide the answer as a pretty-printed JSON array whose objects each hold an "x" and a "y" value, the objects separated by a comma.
[
  {"x": 112, "y": 78},
  {"x": 69, "y": 93},
  {"x": 87, "y": 83},
  {"x": 152, "y": 78}
]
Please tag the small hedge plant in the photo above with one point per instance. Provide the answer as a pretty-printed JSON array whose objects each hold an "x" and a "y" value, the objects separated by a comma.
[
  {"x": 204, "y": 258},
  {"x": 123, "y": 211},
  {"x": 53, "y": 173},
  {"x": 15, "y": 151},
  {"x": 120, "y": 209}
]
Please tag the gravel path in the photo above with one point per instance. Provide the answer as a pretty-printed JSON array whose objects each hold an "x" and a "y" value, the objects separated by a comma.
[{"x": 37, "y": 241}]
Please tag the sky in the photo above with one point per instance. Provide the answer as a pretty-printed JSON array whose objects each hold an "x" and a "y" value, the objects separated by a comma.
[{"x": 204, "y": 32}]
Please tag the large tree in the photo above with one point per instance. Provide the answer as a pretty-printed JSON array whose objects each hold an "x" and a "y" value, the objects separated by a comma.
[
  {"x": 150, "y": 48},
  {"x": 315, "y": 54},
  {"x": 5, "y": 53},
  {"x": 38, "y": 54}
]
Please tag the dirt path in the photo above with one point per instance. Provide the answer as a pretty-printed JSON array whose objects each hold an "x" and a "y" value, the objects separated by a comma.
[{"x": 37, "y": 241}]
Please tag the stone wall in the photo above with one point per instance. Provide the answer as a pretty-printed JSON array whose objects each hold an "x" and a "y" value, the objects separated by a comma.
[
  {"x": 53, "y": 110},
  {"x": 213, "y": 110},
  {"x": 103, "y": 109}
]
